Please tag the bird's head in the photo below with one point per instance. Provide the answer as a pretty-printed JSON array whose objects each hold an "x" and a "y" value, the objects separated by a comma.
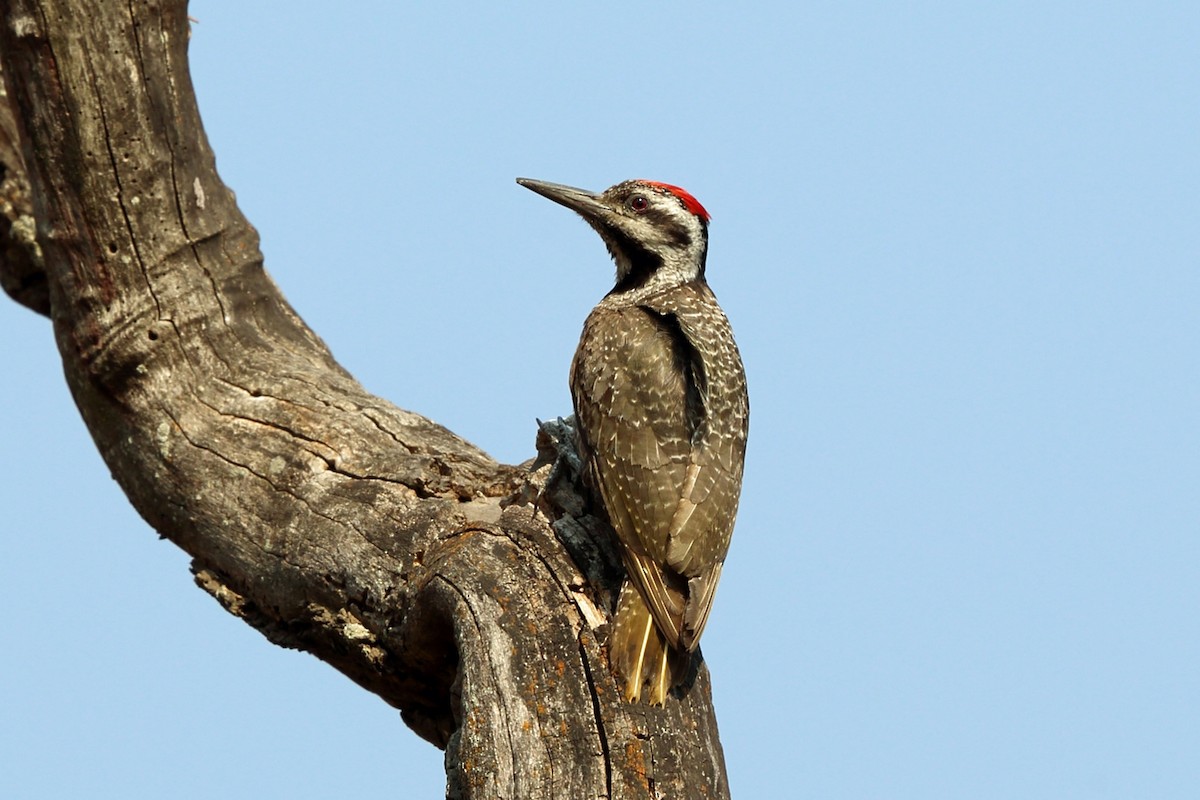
[{"x": 656, "y": 233}]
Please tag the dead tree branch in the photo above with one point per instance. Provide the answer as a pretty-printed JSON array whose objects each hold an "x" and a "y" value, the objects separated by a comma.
[{"x": 330, "y": 520}]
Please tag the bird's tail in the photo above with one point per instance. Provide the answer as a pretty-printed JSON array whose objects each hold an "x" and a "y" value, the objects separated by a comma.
[{"x": 639, "y": 652}]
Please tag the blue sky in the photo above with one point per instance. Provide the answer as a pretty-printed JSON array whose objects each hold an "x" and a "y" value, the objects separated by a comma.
[{"x": 960, "y": 246}]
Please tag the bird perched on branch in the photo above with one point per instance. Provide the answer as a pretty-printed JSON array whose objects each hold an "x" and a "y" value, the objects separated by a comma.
[{"x": 662, "y": 413}]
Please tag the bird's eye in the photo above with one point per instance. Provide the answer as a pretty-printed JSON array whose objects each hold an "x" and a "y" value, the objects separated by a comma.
[{"x": 639, "y": 203}]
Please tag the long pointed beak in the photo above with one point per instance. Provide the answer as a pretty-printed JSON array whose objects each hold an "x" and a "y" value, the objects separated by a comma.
[{"x": 585, "y": 203}]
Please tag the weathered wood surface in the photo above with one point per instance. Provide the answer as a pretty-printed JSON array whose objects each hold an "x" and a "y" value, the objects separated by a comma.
[{"x": 332, "y": 521}]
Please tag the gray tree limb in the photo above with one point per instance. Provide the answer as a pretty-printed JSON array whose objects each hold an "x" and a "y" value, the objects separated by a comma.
[{"x": 457, "y": 589}]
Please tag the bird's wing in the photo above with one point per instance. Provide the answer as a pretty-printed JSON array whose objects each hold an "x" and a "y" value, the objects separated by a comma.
[
  {"x": 638, "y": 404},
  {"x": 703, "y": 520}
]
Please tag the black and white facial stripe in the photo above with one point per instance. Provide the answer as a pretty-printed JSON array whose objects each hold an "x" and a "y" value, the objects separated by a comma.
[
  {"x": 655, "y": 232},
  {"x": 653, "y": 237}
]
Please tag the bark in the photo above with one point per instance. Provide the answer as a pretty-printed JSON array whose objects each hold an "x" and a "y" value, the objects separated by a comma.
[{"x": 471, "y": 595}]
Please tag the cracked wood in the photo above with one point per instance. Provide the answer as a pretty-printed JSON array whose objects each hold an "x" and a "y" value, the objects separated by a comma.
[{"x": 451, "y": 586}]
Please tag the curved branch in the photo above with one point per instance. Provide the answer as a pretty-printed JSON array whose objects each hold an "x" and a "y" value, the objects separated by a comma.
[{"x": 325, "y": 517}]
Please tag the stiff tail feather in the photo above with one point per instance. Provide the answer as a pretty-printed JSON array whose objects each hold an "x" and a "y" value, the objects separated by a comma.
[{"x": 638, "y": 652}]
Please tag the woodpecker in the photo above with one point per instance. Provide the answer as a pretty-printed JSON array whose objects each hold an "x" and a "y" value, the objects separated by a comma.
[{"x": 662, "y": 417}]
